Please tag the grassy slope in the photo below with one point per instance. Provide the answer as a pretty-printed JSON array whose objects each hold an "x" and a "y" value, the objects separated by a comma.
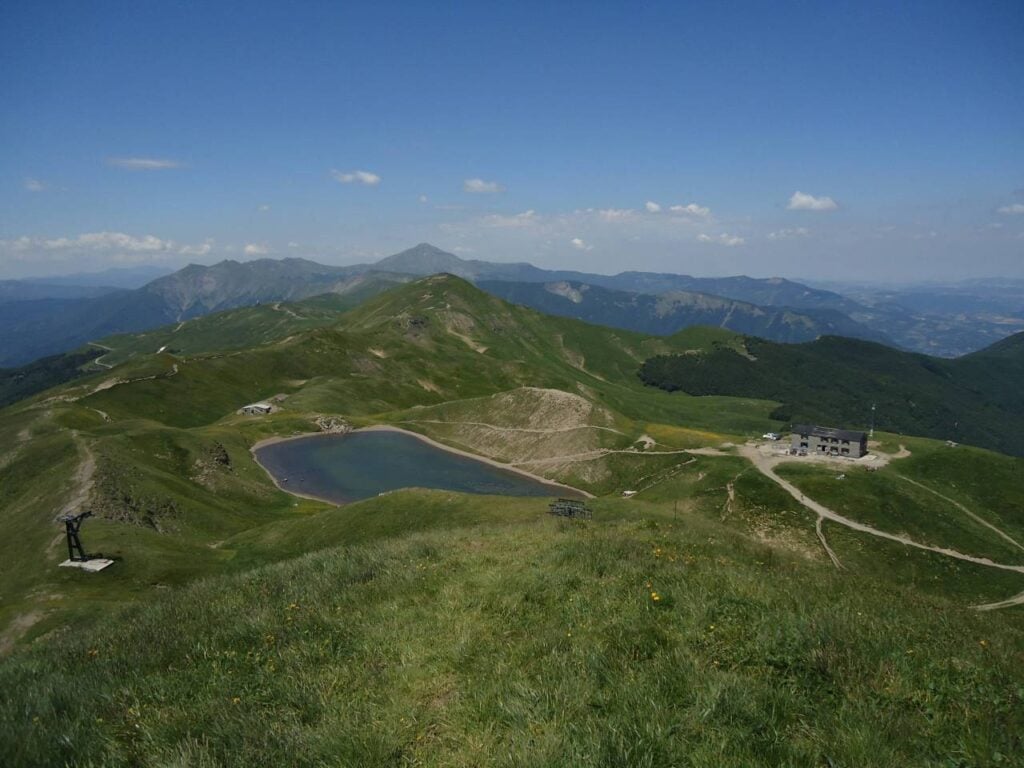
[
  {"x": 755, "y": 561},
  {"x": 335, "y": 369},
  {"x": 520, "y": 640},
  {"x": 237, "y": 328}
]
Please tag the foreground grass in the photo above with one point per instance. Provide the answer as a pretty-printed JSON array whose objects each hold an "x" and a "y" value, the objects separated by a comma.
[{"x": 642, "y": 638}]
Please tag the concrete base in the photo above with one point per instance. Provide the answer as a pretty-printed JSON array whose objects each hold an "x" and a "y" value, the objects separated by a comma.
[{"x": 94, "y": 565}]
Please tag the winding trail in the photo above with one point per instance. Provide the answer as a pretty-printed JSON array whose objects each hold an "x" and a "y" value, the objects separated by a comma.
[
  {"x": 83, "y": 477},
  {"x": 824, "y": 543},
  {"x": 551, "y": 431},
  {"x": 1008, "y": 603},
  {"x": 766, "y": 464},
  {"x": 276, "y": 306},
  {"x": 965, "y": 510},
  {"x": 598, "y": 453},
  {"x": 99, "y": 360}
]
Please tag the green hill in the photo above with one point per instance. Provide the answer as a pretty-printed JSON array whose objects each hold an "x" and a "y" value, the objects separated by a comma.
[
  {"x": 974, "y": 399},
  {"x": 702, "y": 620},
  {"x": 240, "y": 328},
  {"x": 30, "y": 329}
]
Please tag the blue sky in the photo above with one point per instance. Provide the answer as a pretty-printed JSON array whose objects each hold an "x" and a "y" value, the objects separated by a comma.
[{"x": 829, "y": 140}]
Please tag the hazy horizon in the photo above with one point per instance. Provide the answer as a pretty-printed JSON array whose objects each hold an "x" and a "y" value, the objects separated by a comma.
[
  {"x": 163, "y": 270},
  {"x": 850, "y": 142}
]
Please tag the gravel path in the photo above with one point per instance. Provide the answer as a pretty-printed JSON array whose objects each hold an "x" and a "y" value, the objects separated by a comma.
[{"x": 766, "y": 465}]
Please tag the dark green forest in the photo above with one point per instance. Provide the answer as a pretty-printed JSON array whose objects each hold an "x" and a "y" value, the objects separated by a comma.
[{"x": 974, "y": 399}]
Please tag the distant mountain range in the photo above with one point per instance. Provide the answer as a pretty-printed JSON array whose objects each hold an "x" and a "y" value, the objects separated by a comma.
[
  {"x": 668, "y": 312},
  {"x": 43, "y": 318},
  {"x": 975, "y": 398},
  {"x": 34, "y": 328}
]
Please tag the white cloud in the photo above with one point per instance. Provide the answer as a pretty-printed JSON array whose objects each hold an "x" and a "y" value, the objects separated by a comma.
[
  {"x": 652, "y": 207},
  {"x": 616, "y": 214},
  {"x": 524, "y": 219},
  {"x": 479, "y": 186},
  {"x": 424, "y": 199},
  {"x": 34, "y": 185},
  {"x": 789, "y": 234},
  {"x": 691, "y": 209},
  {"x": 143, "y": 163},
  {"x": 356, "y": 177},
  {"x": 91, "y": 250},
  {"x": 197, "y": 250},
  {"x": 1015, "y": 209},
  {"x": 579, "y": 245},
  {"x": 255, "y": 249},
  {"x": 293, "y": 244},
  {"x": 264, "y": 208},
  {"x": 722, "y": 239},
  {"x": 101, "y": 241},
  {"x": 803, "y": 202}
]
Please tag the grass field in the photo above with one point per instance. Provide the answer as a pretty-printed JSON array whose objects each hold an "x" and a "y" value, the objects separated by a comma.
[{"x": 642, "y": 638}]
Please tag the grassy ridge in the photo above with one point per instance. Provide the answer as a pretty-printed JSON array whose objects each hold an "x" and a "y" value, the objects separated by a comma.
[
  {"x": 422, "y": 344},
  {"x": 238, "y": 328}
]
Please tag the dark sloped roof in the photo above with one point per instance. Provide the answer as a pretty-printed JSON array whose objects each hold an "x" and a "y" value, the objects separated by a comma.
[{"x": 840, "y": 434}]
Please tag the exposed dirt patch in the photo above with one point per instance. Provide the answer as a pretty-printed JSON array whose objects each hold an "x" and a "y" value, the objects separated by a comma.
[
  {"x": 574, "y": 358},
  {"x": 212, "y": 465},
  {"x": 17, "y": 629},
  {"x": 366, "y": 366},
  {"x": 82, "y": 481},
  {"x": 116, "y": 494},
  {"x": 467, "y": 340}
]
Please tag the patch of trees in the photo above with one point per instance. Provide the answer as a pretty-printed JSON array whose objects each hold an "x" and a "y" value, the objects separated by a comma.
[
  {"x": 26, "y": 380},
  {"x": 835, "y": 381}
]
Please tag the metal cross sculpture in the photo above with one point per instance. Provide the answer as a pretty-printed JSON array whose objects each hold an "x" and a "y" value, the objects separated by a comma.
[{"x": 72, "y": 524}]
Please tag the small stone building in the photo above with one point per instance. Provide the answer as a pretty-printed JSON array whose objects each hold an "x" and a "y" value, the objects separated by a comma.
[
  {"x": 829, "y": 441},
  {"x": 257, "y": 409}
]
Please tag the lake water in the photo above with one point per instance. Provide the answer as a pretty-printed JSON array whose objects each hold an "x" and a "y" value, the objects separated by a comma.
[{"x": 360, "y": 465}]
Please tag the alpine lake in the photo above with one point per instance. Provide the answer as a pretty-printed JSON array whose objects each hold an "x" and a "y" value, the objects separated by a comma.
[{"x": 344, "y": 468}]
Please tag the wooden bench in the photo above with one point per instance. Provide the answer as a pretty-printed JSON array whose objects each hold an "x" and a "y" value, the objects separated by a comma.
[{"x": 570, "y": 508}]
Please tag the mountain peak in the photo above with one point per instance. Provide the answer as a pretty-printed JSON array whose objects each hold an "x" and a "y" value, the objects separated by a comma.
[{"x": 425, "y": 259}]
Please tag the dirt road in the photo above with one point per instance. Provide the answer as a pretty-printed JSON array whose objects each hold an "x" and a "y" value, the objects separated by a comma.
[{"x": 766, "y": 466}]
